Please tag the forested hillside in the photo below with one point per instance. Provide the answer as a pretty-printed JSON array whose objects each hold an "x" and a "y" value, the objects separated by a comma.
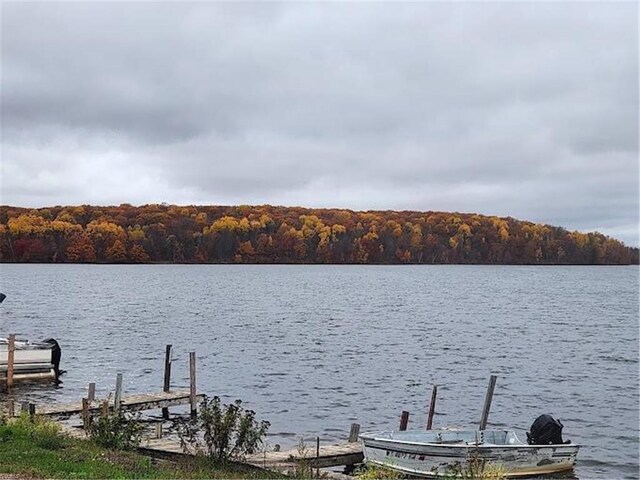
[{"x": 267, "y": 234}]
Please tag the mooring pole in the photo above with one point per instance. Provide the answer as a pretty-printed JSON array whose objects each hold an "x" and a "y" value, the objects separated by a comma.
[
  {"x": 10, "y": 360},
  {"x": 432, "y": 407},
  {"x": 118, "y": 396},
  {"x": 404, "y": 421},
  {"x": 355, "y": 431},
  {"x": 317, "y": 457},
  {"x": 487, "y": 402},
  {"x": 167, "y": 378}
]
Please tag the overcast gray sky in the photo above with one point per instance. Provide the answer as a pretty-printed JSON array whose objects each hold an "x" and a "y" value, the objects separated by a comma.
[{"x": 527, "y": 110}]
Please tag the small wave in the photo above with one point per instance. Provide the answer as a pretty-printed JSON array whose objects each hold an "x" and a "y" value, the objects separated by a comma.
[
  {"x": 282, "y": 434},
  {"x": 611, "y": 358}
]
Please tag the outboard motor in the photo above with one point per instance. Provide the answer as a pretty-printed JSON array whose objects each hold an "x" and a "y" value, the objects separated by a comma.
[
  {"x": 545, "y": 430},
  {"x": 56, "y": 353}
]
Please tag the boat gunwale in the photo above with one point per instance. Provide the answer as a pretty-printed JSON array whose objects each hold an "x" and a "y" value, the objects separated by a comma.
[
  {"x": 462, "y": 444},
  {"x": 523, "y": 473}
]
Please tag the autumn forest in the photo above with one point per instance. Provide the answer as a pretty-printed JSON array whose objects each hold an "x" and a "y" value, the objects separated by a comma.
[{"x": 268, "y": 234}]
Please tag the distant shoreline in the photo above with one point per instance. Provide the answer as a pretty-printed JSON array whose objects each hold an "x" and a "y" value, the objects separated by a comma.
[{"x": 257, "y": 235}]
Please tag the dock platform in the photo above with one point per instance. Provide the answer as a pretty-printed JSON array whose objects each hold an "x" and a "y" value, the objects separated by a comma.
[
  {"x": 129, "y": 403},
  {"x": 284, "y": 461}
]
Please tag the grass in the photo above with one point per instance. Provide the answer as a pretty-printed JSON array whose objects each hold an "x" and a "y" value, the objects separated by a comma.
[{"x": 37, "y": 449}]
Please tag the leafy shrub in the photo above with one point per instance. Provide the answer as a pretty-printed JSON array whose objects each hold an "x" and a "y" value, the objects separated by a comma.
[
  {"x": 229, "y": 432},
  {"x": 116, "y": 430},
  {"x": 376, "y": 472}
]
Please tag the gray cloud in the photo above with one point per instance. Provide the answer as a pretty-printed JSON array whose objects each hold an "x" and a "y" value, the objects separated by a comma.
[{"x": 528, "y": 110}]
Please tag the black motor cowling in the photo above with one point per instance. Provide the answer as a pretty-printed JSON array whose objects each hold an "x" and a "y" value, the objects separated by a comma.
[
  {"x": 545, "y": 430},
  {"x": 56, "y": 353}
]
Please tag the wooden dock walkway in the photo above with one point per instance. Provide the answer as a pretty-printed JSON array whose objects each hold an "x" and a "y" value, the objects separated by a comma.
[
  {"x": 129, "y": 403},
  {"x": 284, "y": 461},
  {"x": 329, "y": 456}
]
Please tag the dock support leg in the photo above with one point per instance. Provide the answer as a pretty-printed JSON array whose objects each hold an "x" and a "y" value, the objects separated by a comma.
[
  {"x": 85, "y": 414},
  {"x": 167, "y": 377},
  {"x": 10, "y": 360},
  {"x": 192, "y": 385},
  {"x": 432, "y": 407},
  {"x": 118, "y": 397},
  {"x": 404, "y": 420},
  {"x": 355, "y": 431}
]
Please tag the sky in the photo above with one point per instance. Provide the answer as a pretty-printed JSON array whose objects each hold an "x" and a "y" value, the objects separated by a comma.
[{"x": 528, "y": 110}]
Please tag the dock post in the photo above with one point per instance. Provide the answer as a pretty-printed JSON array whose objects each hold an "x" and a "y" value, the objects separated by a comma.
[
  {"x": 104, "y": 409},
  {"x": 355, "y": 431},
  {"x": 92, "y": 392},
  {"x": 317, "y": 457},
  {"x": 32, "y": 410},
  {"x": 487, "y": 402},
  {"x": 85, "y": 414},
  {"x": 158, "y": 430},
  {"x": 432, "y": 407},
  {"x": 167, "y": 377},
  {"x": 404, "y": 420},
  {"x": 11, "y": 409},
  {"x": 10, "y": 360},
  {"x": 192, "y": 384},
  {"x": 118, "y": 396}
]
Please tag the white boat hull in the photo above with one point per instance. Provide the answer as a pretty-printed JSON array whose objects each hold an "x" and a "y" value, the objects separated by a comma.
[
  {"x": 31, "y": 361},
  {"x": 407, "y": 454}
]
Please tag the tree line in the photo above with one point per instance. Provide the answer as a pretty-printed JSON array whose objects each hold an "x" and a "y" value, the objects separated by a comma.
[{"x": 270, "y": 234}]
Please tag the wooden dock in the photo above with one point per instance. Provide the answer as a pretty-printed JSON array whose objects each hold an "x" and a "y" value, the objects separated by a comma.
[
  {"x": 288, "y": 462},
  {"x": 284, "y": 461},
  {"x": 129, "y": 403},
  {"x": 327, "y": 456}
]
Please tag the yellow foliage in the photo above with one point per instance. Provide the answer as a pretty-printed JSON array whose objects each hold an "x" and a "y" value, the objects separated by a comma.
[
  {"x": 201, "y": 218},
  {"x": 104, "y": 229},
  {"x": 464, "y": 229},
  {"x": 65, "y": 227},
  {"x": 136, "y": 234},
  {"x": 580, "y": 239},
  {"x": 244, "y": 225},
  {"x": 338, "y": 229},
  {"x": 265, "y": 220},
  {"x": 27, "y": 225},
  {"x": 224, "y": 223},
  {"x": 65, "y": 216}
]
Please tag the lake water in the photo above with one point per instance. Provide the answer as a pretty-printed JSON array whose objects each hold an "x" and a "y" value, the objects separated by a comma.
[{"x": 314, "y": 348}]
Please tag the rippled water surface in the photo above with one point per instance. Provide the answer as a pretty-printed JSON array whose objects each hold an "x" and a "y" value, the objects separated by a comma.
[{"x": 315, "y": 348}]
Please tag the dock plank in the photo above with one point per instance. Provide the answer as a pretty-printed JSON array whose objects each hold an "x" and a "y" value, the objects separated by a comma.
[{"x": 130, "y": 403}]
